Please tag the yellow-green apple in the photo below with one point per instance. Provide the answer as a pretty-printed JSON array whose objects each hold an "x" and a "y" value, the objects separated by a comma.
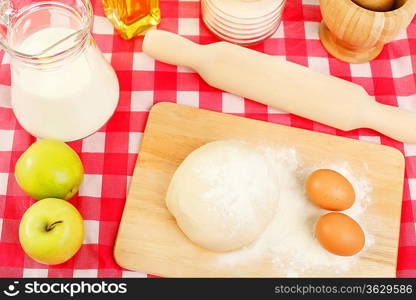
[
  {"x": 49, "y": 169},
  {"x": 51, "y": 231}
]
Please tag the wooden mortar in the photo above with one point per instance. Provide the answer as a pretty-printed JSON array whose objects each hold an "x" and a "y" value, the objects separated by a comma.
[{"x": 354, "y": 34}]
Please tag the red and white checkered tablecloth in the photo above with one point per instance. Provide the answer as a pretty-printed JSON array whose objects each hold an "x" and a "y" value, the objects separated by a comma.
[{"x": 109, "y": 155}]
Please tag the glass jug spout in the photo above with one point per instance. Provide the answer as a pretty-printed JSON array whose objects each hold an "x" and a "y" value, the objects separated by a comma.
[
  {"x": 17, "y": 22},
  {"x": 6, "y": 10},
  {"x": 6, "y": 13}
]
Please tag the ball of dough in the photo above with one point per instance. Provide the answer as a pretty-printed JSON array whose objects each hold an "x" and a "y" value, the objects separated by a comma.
[{"x": 223, "y": 195}]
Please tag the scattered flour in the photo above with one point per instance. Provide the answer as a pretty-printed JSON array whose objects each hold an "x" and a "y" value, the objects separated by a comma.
[{"x": 289, "y": 240}]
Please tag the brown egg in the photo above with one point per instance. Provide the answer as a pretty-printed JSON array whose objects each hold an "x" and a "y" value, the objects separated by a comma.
[
  {"x": 330, "y": 190},
  {"x": 376, "y": 5},
  {"x": 339, "y": 234}
]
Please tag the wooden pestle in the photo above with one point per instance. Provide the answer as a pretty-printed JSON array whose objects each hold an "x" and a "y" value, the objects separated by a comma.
[{"x": 283, "y": 85}]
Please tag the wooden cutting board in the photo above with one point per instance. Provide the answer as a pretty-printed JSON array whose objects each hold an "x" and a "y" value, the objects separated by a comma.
[{"x": 150, "y": 241}]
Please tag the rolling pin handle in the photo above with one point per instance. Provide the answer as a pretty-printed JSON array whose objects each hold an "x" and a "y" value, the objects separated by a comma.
[
  {"x": 172, "y": 49},
  {"x": 393, "y": 122}
]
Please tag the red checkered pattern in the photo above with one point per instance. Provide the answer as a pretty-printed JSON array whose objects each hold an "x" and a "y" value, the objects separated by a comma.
[{"x": 110, "y": 154}]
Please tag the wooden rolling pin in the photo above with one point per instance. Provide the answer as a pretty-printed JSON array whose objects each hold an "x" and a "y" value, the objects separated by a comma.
[{"x": 283, "y": 85}]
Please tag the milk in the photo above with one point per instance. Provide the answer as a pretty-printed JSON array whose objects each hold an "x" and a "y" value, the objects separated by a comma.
[{"x": 66, "y": 100}]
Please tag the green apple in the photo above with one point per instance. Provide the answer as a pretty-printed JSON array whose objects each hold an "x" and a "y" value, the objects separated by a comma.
[
  {"x": 51, "y": 231},
  {"x": 49, "y": 169}
]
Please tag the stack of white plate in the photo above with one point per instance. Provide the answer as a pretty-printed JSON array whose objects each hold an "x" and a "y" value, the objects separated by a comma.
[{"x": 243, "y": 22}]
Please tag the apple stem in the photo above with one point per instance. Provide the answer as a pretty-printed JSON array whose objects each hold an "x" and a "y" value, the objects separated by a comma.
[{"x": 49, "y": 227}]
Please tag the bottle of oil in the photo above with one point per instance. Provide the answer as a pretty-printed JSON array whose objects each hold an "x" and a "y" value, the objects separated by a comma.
[{"x": 132, "y": 17}]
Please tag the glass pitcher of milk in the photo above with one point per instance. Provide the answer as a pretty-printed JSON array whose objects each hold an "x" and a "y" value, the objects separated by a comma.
[{"x": 61, "y": 85}]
